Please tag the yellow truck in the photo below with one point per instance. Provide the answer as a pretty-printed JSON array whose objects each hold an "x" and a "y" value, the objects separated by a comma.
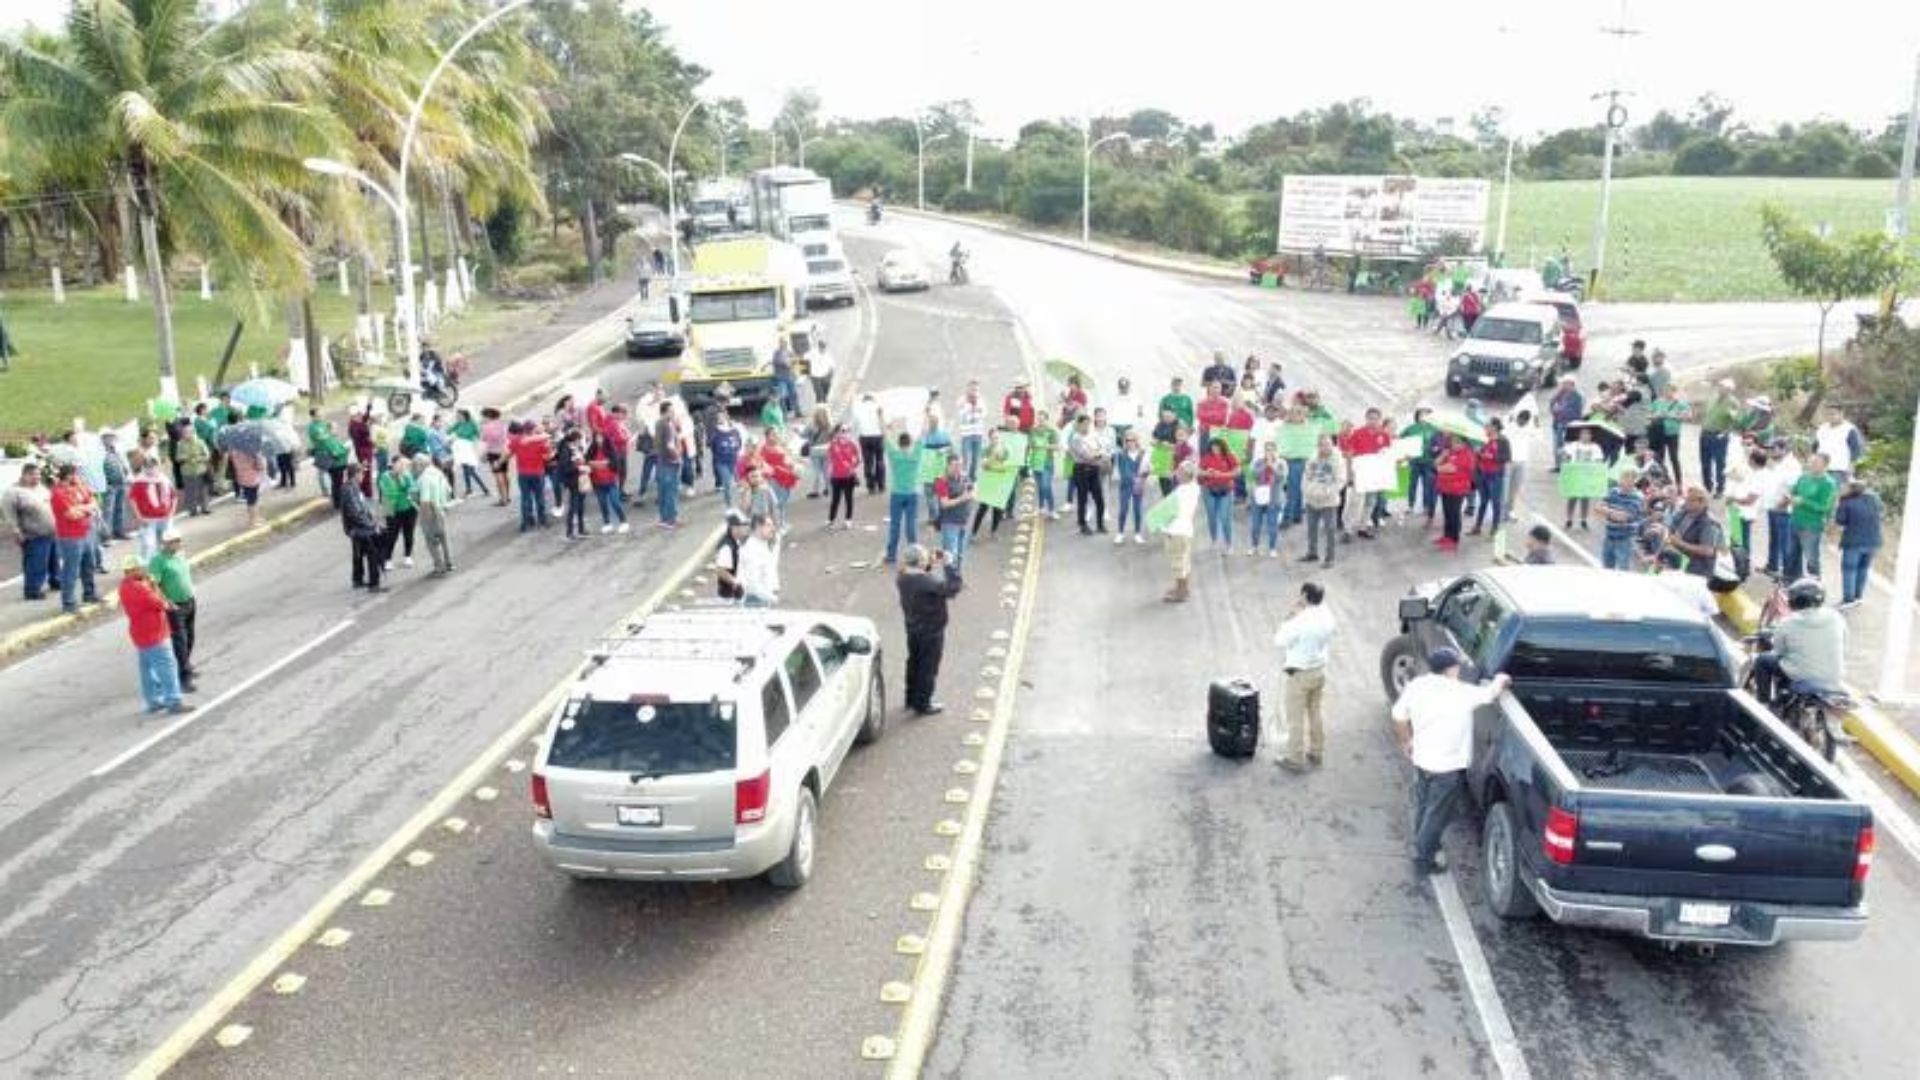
[{"x": 746, "y": 296}]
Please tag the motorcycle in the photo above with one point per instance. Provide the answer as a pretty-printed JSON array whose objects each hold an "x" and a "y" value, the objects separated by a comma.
[
  {"x": 957, "y": 273},
  {"x": 873, "y": 213},
  {"x": 440, "y": 381}
]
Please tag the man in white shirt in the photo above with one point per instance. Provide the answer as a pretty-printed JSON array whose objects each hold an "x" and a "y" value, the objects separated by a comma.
[
  {"x": 1837, "y": 438},
  {"x": 760, "y": 564},
  {"x": 1126, "y": 410},
  {"x": 970, "y": 427},
  {"x": 1434, "y": 722},
  {"x": 870, "y": 427},
  {"x": 1179, "y": 531},
  {"x": 1776, "y": 484},
  {"x": 1304, "y": 641}
]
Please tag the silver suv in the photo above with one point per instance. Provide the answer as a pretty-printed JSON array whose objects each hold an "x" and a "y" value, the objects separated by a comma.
[{"x": 698, "y": 745}]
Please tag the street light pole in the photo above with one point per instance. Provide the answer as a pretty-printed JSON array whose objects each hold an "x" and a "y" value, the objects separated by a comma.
[
  {"x": 1089, "y": 145},
  {"x": 969, "y": 159},
  {"x": 920, "y": 133},
  {"x": 1616, "y": 120},
  {"x": 410, "y": 331},
  {"x": 1506, "y": 193},
  {"x": 800, "y": 140},
  {"x": 673, "y": 201},
  {"x": 1906, "y": 566},
  {"x": 666, "y": 177}
]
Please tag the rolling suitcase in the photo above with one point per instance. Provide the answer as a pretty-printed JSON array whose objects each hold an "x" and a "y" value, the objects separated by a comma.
[{"x": 1233, "y": 717}]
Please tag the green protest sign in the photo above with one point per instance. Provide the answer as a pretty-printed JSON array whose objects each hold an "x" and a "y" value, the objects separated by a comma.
[
  {"x": 1236, "y": 442},
  {"x": 1162, "y": 460},
  {"x": 1583, "y": 480},
  {"x": 1297, "y": 440},
  {"x": 1403, "y": 481},
  {"x": 1161, "y": 515},
  {"x": 933, "y": 464},
  {"x": 1015, "y": 443},
  {"x": 996, "y": 487}
]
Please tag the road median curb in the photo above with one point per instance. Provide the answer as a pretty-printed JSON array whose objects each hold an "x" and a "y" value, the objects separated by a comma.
[
  {"x": 1892, "y": 747},
  {"x": 1151, "y": 262},
  {"x": 37, "y": 634}
]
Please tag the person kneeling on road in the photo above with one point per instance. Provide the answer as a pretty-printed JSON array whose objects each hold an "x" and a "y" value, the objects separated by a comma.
[
  {"x": 927, "y": 582},
  {"x": 1433, "y": 721}
]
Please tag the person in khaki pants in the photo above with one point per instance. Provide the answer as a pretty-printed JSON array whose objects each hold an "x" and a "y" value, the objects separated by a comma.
[{"x": 1304, "y": 641}]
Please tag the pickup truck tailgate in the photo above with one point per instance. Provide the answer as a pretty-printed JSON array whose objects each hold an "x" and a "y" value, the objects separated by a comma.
[{"x": 1718, "y": 847}]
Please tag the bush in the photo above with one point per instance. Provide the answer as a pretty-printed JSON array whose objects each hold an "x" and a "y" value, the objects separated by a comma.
[
  {"x": 1705, "y": 155},
  {"x": 1871, "y": 165},
  {"x": 962, "y": 201},
  {"x": 507, "y": 231},
  {"x": 1763, "y": 160}
]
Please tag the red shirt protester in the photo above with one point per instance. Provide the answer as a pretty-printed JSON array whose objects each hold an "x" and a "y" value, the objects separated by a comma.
[
  {"x": 779, "y": 466},
  {"x": 1241, "y": 419},
  {"x": 1212, "y": 412},
  {"x": 1455, "y": 470},
  {"x": 843, "y": 457},
  {"x": 1493, "y": 456},
  {"x": 1366, "y": 440},
  {"x": 530, "y": 453},
  {"x": 153, "y": 498},
  {"x": 1019, "y": 406},
  {"x": 1218, "y": 470},
  {"x": 73, "y": 511},
  {"x": 146, "y": 611},
  {"x": 600, "y": 469}
]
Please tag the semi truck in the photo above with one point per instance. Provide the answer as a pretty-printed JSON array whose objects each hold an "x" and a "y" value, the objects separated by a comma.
[
  {"x": 721, "y": 206},
  {"x": 744, "y": 298},
  {"x": 792, "y": 203}
]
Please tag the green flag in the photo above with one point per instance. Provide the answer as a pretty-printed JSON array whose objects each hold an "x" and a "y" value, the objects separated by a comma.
[
  {"x": 1236, "y": 442},
  {"x": 1161, "y": 515},
  {"x": 1162, "y": 460}
]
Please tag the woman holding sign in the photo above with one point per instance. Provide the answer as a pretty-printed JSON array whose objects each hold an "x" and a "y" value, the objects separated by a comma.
[
  {"x": 1218, "y": 469},
  {"x": 1453, "y": 475},
  {"x": 995, "y": 491},
  {"x": 1267, "y": 493}
]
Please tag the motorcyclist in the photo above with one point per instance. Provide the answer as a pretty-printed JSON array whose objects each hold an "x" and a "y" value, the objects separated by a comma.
[
  {"x": 1809, "y": 646},
  {"x": 957, "y": 257},
  {"x": 433, "y": 370},
  {"x": 873, "y": 209}
]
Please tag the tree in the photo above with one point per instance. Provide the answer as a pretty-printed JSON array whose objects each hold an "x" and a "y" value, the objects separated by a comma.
[
  {"x": 1820, "y": 150},
  {"x": 799, "y": 117},
  {"x": 202, "y": 125},
  {"x": 1555, "y": 150},
  {"x": 1828, "y": 270},
  {"x": 1711, "y": 115},
  {"x": 1664, "y": 132},
  {"x": 1705, "y": 155}
]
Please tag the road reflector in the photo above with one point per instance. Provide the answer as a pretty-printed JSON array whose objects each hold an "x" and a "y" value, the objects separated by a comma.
[
  {"x": 699, "y": 579},
  {"x": 985, "y": 693},
  {"x": 946, "y": 827},
  {"x": 938, "y": 863},
  {"x": 910, "y": 945},
  {"x": 486, "y": 794},
  {"x": 925, "y": 901},
  {"x": 687, "y": 593},
  {"x": 514, "y": 764},
  {"x": 996, "y": 652},
  {"x": 876, "y": 1048},
  {"x": 333, "y": 937},
  {"x": 966, "y": 767},
  {"x": 990, "y": 672},
  {"x": 981, "y": 716},
  {"x": 233, "y": 1035},
  {"x": 999, "y": 635},
  {"x": 973, "y": 738},
  {"x": 455, "y": 825},
  {"x": 419, "y": 857},
  {"x": 289, "y": 983},
  {"x": 1010, "y": 589},
  {"x": 895, "y": 993},
  {"x": 377, "y": 898},
  {"x": 957, "y": 796}
]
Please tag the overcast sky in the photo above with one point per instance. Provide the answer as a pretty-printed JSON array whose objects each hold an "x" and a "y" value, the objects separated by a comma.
[{"x": 1238, "y": 62}]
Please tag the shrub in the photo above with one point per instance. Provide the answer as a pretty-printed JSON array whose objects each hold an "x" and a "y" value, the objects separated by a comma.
[
  {"x": 1705, "y": 155},
  {"x": 1871, "y": 165}
]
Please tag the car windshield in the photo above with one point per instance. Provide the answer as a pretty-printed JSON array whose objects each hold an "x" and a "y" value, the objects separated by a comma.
[
  {"x": 1515, "y": 331},
  {"x": 655, "y": 739},
  {"x": 826, "y": 266},
  {"x": 732, "y": 306},
  {"x": 1633, "y": 651},
  {"x": 806, "y": 223},
  {"x": 710, "y": 206}
]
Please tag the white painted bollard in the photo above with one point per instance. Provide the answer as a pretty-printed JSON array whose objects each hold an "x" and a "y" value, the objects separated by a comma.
[
  {"x": 430, "y": 309},
  {"x": 59, "y": 286},
  {"x": 206, "y": 283},
  {"x": 200, "y": 384},
  {"x": 466, "y": 278},
  {"x": 456, "y": 299},
  {"x": 133, "y": 285},
  {"x": 342, "y": 264}
]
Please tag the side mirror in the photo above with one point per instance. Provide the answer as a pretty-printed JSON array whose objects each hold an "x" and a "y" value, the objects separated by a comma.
[
  {"x": 859, "y": 646},
  {"x": 1415, "y": 608}
]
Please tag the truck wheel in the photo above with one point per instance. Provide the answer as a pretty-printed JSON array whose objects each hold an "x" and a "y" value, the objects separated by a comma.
[
  {"x": 1507, "y": 895},
  {"x": 795, "y": 870},
  {"x": 1453, "y": 388},
  {"x": 875, "y": 723},
  {"x": 1399, "y": 665}
]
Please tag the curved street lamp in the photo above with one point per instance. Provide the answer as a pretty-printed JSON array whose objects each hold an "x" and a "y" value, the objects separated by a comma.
[
  {"x": 800, "y": 140},
  {"x": 673, "y": 226},
  {"x": 920, "y": 135},
  {"x": 1086, "y": 177}
]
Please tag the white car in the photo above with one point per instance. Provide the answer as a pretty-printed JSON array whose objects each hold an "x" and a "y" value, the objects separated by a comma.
[{"x": 901, "y": 271}]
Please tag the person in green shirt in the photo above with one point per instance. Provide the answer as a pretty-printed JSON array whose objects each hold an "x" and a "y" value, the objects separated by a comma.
[
  {"x": 174, "y": 576},
  {"x": 1177, "y": 402},
  {"x": 903, "y": 488},
  {"x": 1811, "y": 507},
  {"x": 1421, "y": 492},
  {"x": 396, "y": 489},
  {"x": 1042, "y": 443},
  {"x": 772, "y": 416},
  {"x": 330, "y": 454},
  {"x": 1718, "y": 420},
  {"x": 413, "y": 437},
  {"x": 434, "y": 495},
  {"x": 1665, "y": 414}
]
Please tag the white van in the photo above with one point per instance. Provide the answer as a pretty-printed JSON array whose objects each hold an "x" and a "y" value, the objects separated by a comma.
[{"x": 829, "y": 277}]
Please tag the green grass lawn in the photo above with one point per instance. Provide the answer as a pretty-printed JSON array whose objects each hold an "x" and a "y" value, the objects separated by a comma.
[{"x": 1681, "y": 238}]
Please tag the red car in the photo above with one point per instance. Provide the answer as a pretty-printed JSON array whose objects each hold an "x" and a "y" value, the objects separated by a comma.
[{"x": 1573, "y": 336}]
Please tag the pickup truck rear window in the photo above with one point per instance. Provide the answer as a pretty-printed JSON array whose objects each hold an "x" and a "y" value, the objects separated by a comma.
[
  {"x": 1636, "y": 651},
  {"x": 659, "y": 739}
]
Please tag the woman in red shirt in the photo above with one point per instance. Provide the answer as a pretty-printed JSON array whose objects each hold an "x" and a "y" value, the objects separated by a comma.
[
  {"x": 1493, "y": 457},
  {"x": 843, "y": 471},
  {"x": 1218, "y": 471},
  {"x": 1453, "y": 472},
  {"x": 146, "y": 612},
  {"x": 1073, "y": 401},
  {"x": 780, "y": 469},
  {"x": 604, "y": 475}
]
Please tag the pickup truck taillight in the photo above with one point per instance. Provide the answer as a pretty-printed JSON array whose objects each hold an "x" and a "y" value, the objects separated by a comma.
[
  {"x": 541, "y": 807},
  {"x": 1863, "y": 854},
  {"x": 1557, "y": 841}
]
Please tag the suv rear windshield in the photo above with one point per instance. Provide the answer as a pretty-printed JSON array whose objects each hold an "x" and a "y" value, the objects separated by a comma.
[
  {"x": 657, "y": 739},
  {"x": 1518, "y": 331},
  {"x": 826, "y": 266},
  {"x": 1627, "y": 651}
]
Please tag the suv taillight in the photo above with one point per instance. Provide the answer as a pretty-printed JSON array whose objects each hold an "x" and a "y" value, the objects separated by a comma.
[
  {"x": 750, "y": 798},
  {"x": 1863, "y": 854},
  {"x": 541, "y": 807},
  {"x": 1557, "y": 841}
]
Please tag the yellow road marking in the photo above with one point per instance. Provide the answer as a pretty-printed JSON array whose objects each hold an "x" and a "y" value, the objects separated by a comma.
[{"x": 269, "y": 959}]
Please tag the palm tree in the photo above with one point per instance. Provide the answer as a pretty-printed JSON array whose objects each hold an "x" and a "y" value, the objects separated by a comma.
[{"x": 200, "y": 123}]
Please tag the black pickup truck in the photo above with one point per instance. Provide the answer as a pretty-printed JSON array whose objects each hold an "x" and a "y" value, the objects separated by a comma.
[{"x": 1626, "y": 782}]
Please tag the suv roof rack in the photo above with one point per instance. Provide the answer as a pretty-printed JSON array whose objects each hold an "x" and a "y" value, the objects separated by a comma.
[{"x": 727, "y": 635}]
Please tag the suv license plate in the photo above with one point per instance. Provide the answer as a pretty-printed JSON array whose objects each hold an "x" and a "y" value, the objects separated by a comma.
[
  {"x": 1486, "y": 380},
  {"x": 650, "y": 815},
  {"x": 1706, "y": 914}
]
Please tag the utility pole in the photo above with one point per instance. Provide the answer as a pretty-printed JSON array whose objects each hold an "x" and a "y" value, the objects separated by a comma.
[
  {"x": 1616, "y": 120},
  {"x": 1906, "y": 567}
]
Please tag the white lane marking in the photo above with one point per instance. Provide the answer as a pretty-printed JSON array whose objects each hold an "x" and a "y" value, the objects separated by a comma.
[
  {"x": 249, "y": 683},
  {"x": 1885, "y": 809},
  {"x": 1501, "y": 1041}
]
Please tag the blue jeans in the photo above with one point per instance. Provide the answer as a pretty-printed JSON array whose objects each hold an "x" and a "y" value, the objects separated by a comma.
[
  {"x": 1265, "y": 519},
  {"x": 903, "y": 511},
  {"x": 1493, "y": 498},
  {"x": 1421, "y": 492},
  {"x": 1435, "y": 796},
  {"x": 1803, "y": 554},
  {"x": 781, "y": 497},
  {"x": 113, "y": 512},
  {"x": 670, "y": 497},
  {"x": 970, "y": 448},
  {"x": 159, "y": 677},
  {"x": 954, "y": 539},
  {"x": 648, "y": 465},
  {"x": 1617, "y": 554},
  {"x": 1129, "y": 502},
  {"x": 1043, "y": 480},
  {"x": 76, "y": 569},
  {"x": 610, "y": 508},
  {"x": 1855, "y": 565},
  {"x": 1713, "y": 461},
  {"x": 36, "y": 565},
  {"x": 723, "y": 478},
  {"x": 1219, "y": 516},
  {"x": 1296, "y": 502},
  {"x": 1779, "y": 539},
  {"x": 533, "y": 501}
]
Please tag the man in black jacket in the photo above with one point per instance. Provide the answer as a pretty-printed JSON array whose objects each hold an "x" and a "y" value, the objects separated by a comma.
[
  {"x": 362, "y": 527},
  {"x": 926, "y": 584}
]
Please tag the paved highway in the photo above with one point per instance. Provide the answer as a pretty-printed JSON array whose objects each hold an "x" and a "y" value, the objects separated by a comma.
[{"x": 1143, "y": 909}]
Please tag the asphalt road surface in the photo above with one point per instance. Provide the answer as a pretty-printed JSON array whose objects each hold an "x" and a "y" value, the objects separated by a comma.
[{"x": 1143, "y": 908}]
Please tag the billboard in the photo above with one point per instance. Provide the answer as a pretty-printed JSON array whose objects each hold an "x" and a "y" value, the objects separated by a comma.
[{"x": 1379, "y": 215}]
